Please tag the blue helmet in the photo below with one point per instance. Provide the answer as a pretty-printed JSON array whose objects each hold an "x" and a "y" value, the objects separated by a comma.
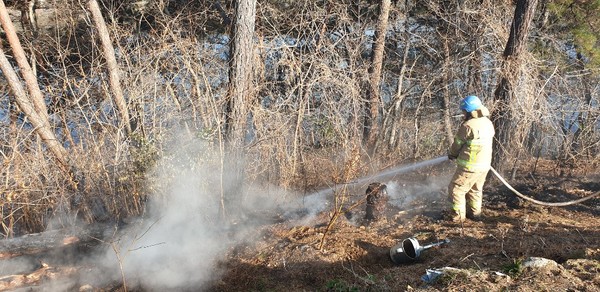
[{"x": 470, "y": 103}]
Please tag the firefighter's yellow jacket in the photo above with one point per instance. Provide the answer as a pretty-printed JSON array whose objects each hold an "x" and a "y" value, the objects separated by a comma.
[{"x": 472, "y": 146}]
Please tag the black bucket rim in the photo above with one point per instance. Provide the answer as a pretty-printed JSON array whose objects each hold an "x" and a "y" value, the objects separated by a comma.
[
  {"x": 410, "y": 247},
  {"x": 398, "y": 253}
]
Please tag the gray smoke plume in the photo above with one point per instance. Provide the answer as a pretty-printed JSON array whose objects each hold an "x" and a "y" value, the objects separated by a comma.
[
  {"x": 176, "y": 245},
  {"x": 405, "y": 194},
  {"x": 179, "y": 241},
  {"x": 183, "y": 235}
]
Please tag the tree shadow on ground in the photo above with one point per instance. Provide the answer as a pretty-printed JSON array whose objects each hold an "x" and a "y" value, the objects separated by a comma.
[
  {"x": 549, "y": 189},
  {"x": 372, "y": 272}
]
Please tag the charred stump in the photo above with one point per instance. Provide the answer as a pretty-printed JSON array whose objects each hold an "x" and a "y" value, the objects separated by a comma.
[{"x": 376, "y": 201}]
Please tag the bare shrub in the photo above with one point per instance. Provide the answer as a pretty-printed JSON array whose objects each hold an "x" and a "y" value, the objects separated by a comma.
[{"x": 312, "y": 67}]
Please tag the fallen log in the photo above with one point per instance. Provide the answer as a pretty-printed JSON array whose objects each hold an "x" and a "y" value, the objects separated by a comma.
[{"x": 54, "y": 239}]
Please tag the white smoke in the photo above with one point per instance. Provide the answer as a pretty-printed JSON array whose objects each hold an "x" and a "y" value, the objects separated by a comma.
[
  {"x": 403, "y": 194},
  {"x": 183, "y": 234},
  {"x": 179, "y": 241}
]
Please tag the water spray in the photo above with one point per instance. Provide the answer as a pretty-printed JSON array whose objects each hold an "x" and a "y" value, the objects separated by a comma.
[
  {"x": 402, "y": 169},
  {"x": 393, "y": 171},
  {"x": 313, "y": 200}
]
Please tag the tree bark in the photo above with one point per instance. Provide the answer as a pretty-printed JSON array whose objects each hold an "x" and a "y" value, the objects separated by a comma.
[
  {"x": 111, "y": 61},
  {"x": 240, "y": 71},
  {"x": 517, "y": 41},
  {"x": 26, "y": 71},
  {"x": 371, "y": 127},
  {"x": 392, "y": 120},
  {"x": 35, "y": 110},
  {"x": 240, "y": 100},
  {"x": 446, "y": 99},
  {"x": 504, "y": 93},
  {"x": 42, "y": 127}
]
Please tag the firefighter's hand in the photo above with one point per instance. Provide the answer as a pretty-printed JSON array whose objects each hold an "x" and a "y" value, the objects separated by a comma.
[{"x": 451, "y": 157}]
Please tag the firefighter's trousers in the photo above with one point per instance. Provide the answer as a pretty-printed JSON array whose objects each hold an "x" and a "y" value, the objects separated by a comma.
[{"x": 466, "y": 193}]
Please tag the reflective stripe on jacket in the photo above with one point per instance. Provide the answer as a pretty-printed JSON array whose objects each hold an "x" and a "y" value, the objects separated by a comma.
[{"x": 472, "y": 145}]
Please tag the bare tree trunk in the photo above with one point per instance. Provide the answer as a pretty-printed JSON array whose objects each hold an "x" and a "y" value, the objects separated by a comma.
[
  {"x": 585, "y": 118},
  {"x": 240, "y": 72},
  {"x": 42, "y": 127},
  {"x": 447, "y": 78},
  {"x": 240, "y": 98},
  {"x": 393, "y": 118},
  {"x": 503, "y": 95},
  {"x": 111, "y": 61},
  {"x": 34, "y": 109},
  {"x": 517, "y": 41},
  {"x": 371, "y": 127},
  {"x": 26, "y": 72}
]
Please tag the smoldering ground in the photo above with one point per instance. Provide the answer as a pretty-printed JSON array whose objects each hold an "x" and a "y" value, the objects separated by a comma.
[
  {"x": 412, "y": 194},
  {"x": 410, "y": 188},
  {"x": 183, "y": 236},
  {"x": 179, "y": 240},
  {"x": 184, "y": 232}
]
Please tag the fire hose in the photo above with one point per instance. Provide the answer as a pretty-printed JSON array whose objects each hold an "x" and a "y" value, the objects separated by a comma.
[
  {"x": 557, "y": 204},
  {"x": 550, "y": 204}
]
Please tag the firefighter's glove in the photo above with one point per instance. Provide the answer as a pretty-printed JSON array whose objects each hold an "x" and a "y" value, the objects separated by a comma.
[{"x": 451, "y": 157}]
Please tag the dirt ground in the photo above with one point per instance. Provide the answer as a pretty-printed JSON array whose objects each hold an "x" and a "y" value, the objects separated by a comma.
[
  {"x": 489, "y": 255},
  {"x": 296, "y": 253}
]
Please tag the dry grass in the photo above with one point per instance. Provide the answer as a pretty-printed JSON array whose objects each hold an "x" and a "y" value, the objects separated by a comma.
[{"x": 306, "y": 126}]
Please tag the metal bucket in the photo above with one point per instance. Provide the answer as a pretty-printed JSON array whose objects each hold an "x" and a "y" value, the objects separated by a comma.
[{"x": 409, "y": 250}]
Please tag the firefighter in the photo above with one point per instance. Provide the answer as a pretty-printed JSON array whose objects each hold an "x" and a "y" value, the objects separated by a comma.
[{"x": 472, "y": 151}]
